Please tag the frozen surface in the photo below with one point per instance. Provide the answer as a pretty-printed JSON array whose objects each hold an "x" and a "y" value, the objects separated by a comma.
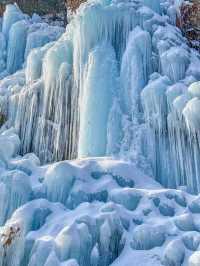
[
  {"x": 91, "y": 212},
  {"x": 125, "y": 90},
  {"x": 120, "y": 82},
  {"x": 19, "y": 35}
]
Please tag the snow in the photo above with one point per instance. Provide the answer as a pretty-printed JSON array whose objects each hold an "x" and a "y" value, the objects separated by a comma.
[
  {"x": 9, "y": 144},
  {"x": 92, "y": 211},
  {"x": 146, "y": 237},
  {"x": 194, "y": 259}
]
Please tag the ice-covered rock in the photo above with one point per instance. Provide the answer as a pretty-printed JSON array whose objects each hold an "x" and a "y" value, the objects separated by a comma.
[
  {"x": 171, "y": 256},
  {"x": 185, "y": 222},
  {"x": 128, "y": 197},
  {"x": 15, "y": 191},
  {"x": 194, "y": 206},
  {"x": 191, "y": 240},
  {"x": 10, "y": 144},
  {"x": 146, "y": 237},
  {"x": 59, "y": 180}
]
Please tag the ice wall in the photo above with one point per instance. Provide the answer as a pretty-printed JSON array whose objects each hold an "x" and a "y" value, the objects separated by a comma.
[
  {"x": 68, "y": 73},
  {"x": 120, "y": 82},
  {"x": 20, "y": 33},
  {"x": 116, "y": 83},
  {"x": 168, "y": 109}
]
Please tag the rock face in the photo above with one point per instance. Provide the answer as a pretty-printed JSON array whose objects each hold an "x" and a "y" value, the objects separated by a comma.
[
  {"x": 40, "y": 6},
  {"x": 189, "y": 22},
  {"x": 2, "y": 119}
]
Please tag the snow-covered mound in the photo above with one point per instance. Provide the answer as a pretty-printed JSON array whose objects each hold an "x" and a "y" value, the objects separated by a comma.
[{"x": 91, "y": 212}]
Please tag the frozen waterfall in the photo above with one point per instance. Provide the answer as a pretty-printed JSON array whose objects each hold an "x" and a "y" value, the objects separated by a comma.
[
  {"x": 51, "y": 111},
  {"x": 117, "y": 82},
  {"x": 121, "y": 84}
]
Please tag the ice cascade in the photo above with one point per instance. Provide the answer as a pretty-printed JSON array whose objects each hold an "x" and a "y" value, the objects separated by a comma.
[{"x": 127, "y": 89}]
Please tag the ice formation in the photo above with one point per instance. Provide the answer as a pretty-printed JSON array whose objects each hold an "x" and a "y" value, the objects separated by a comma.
[
  {"x": 123, "y": 32},
  {"x": 141, "y": 58},
  {"x": 18, "y": 26},
  {"x": 97, "y": 101},
  {"x": 120, "y": 82},
  {"x": 91, "y": 212}
]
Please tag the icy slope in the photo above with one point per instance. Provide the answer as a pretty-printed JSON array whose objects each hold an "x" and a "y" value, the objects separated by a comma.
[{"x": 91, "y": 212}]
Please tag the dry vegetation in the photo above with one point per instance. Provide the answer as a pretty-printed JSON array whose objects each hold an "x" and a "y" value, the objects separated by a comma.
[
  {"x": 43, "y": 6},
  {"x": 189, "y": 22}
]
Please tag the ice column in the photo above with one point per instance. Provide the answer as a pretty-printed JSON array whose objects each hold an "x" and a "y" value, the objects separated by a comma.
[
  {"x": 16, "y": 46},
  {"x": 99, "y": 89},
  {"x": 11, "y": 15},
  {"x": 155, "y": 113},
  {"x": 54, "y": 125},
  {"x": 135, "y": 69}
]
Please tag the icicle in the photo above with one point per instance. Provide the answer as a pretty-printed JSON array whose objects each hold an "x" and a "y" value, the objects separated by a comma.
[
  {"x": 154, "y": 5},
  {"x": 26, "y": 116},
  {"x": 155, "y": 112},
  {"x": 2, "y": 52},
  {"x": 11, "y": 15},
  {"x": 135, "y": 70},
  {"x": 174, "y": 63},
  {"x": 16, "y": 49},
  {"x": 15, "y": 191},
  {"x": 57, "y": 89},
  {"x": 40, "y": 34},
  {"x": 34, "y": 63},
  {"x": 114, "y": 129},
  {"x": 97, "y": 101}
]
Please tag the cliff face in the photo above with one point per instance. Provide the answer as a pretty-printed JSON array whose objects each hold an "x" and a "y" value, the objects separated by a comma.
[
  {"x": 41, "y": 7},
  {"x": 189, "y": 22}
]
